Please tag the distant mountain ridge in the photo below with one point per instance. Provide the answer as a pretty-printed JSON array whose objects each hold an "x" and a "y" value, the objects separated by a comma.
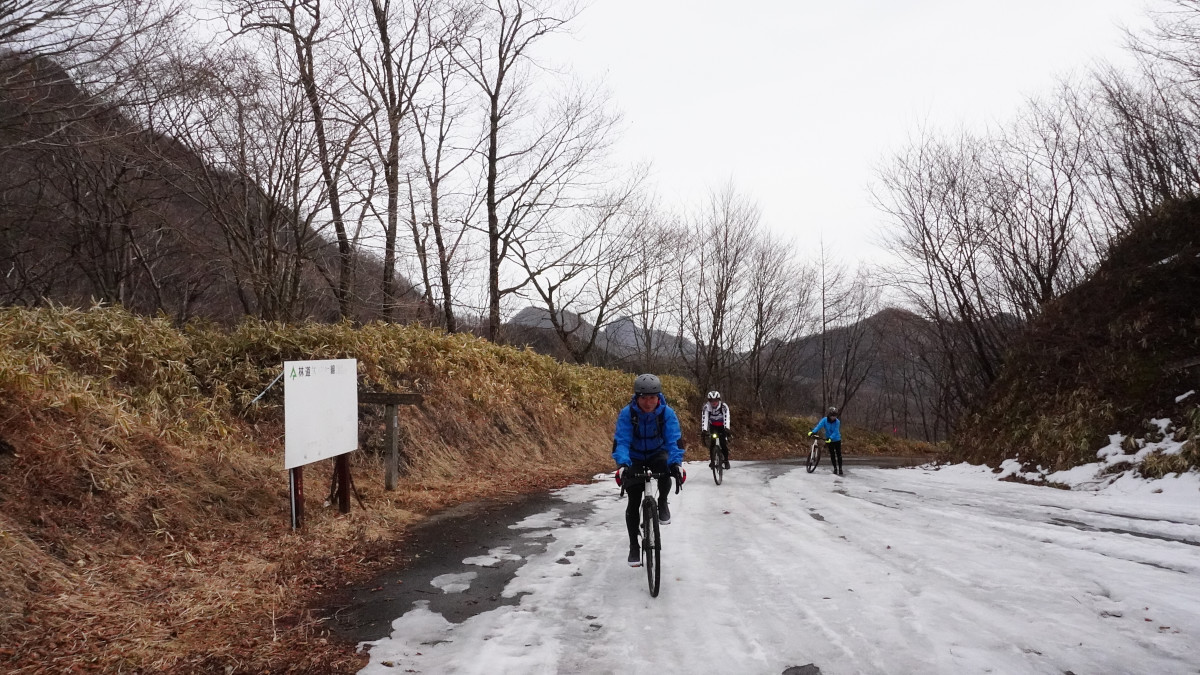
[
  {"x": 873, "y": 349},
  {"x": 619, "y": 339}
]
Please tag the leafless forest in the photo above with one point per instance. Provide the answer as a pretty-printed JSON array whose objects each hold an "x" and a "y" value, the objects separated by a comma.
[{"x": 418, "y": 160}]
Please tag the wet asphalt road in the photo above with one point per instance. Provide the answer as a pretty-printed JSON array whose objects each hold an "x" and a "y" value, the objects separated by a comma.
[{"x": 440, "y": 543}]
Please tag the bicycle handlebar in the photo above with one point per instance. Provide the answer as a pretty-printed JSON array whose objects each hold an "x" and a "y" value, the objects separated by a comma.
[
  {"x": 649, "y": 475},
  {"x": 646, "y": 475}
]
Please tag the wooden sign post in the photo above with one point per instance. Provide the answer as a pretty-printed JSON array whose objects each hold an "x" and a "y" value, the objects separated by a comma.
[{"x": 392, "y": 461}]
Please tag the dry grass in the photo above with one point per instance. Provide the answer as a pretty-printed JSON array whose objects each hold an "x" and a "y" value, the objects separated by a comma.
[{"x": 143, "y": 504}]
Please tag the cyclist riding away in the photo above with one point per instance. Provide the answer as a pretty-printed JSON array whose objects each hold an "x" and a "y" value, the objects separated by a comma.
[
  {"x": 833, "y": 438},
  {"x": 647, "y": 436},
  {"x": 715, "y": 417}
]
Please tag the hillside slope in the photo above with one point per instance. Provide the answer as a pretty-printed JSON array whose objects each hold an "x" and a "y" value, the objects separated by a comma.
[
  {"x": 1107, "y": 357},
  {"x": 144, "y": 505},
  {"x": 94, "y": 205}
]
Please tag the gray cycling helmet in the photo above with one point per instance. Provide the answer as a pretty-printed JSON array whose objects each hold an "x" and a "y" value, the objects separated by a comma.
[
  {"x": 832, "y": 412},
  {"x": 647, "y": 384}
]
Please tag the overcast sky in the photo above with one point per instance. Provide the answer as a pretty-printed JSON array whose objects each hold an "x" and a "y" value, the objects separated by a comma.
[{"x": 798, "y": 101}]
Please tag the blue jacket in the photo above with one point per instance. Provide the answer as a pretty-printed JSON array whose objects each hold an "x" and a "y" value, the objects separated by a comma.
[
  {"x": 648, "y": 442},
  {"x": 833, "y": 430}
]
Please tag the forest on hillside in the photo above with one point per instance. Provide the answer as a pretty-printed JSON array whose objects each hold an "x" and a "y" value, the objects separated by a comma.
[{"x": 422, "y": 160}]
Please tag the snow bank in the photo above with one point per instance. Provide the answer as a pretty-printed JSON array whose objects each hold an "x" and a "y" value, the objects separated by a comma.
[{"x": 1114, "y": 472}]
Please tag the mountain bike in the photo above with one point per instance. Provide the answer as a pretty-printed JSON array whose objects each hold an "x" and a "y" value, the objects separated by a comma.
[
  {"x": 716, "y": 457},
  {"x": 651, "y": 544},
  {"x": 814, "y": 456}
]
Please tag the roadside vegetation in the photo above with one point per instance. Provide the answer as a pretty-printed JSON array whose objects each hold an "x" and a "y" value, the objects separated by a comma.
[
  {"x": 1119, "y": 350},
  {"x": 143, "y": 502}
]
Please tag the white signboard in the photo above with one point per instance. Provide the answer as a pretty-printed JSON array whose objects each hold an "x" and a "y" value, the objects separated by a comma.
[{"x": 320, "y": 410}]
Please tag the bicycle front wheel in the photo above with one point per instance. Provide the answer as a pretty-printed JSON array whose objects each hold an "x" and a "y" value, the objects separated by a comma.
[
  {"x": 651, "y": 546},
  {"x": 814, "y": 457},
  {"x": 714, "y": 459}
]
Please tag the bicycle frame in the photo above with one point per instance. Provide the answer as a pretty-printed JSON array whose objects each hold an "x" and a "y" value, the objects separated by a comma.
[
  {"x": 814, "y": 455},
  {"x": 716, "y": 455},
  {"x": 651, "y": 544}
]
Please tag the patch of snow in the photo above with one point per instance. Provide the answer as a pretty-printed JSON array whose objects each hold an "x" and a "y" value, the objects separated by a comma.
[
  {"x": 1181, "y": 397},
  {"x": 539, "y": 521},
  {"x": 1113, "y": 447},
  {"x": 454, "y": 583},
  {"x": 1012, "y": 467},
  {"x": 494, "y": 557},
  {"x": 1162, "y": 423}
]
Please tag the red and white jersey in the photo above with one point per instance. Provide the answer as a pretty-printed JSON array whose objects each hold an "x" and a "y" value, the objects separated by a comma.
[{"x": 714, "y": 417}]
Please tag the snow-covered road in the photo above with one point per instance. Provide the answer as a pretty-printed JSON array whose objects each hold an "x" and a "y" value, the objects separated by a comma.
[{"x": 882, "y": 571}]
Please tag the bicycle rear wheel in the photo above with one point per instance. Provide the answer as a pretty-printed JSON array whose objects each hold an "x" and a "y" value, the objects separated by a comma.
[
  {"x": 814, "y": 456},
  {"x": 651, "y": 546}
]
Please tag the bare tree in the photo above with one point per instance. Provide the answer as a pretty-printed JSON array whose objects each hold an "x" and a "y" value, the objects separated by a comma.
[
  {"x": 393, "y": 46},
  {"x": 938, "y": 198},
  {"x": 657, "y": 252},
  {"x": 1147, "y": 144},
  {"x": 722, "y": 240},
  {"x": 1038, "y": 176},
  {"x": 303, "y": 26},
  {"x": 580, "y": 274},
  {"x": 445, "y": 150},
  {"x": 854, "y": 353},
  {"x": 779, "y": 300},
  {"x": 253, "y": 151},
  {"x": 536, "y": 158}
]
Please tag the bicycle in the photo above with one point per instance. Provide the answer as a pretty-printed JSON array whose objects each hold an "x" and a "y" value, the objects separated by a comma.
[
  {"x": 651, "y": 544},
  {"x": 716, "y": 457},
  {"x": 814, "y": 455}
]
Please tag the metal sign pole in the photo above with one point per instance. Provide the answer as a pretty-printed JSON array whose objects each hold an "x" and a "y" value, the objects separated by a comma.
[
  {"x": 296, "y": 485},
  {"x": 341, "y": 466}
]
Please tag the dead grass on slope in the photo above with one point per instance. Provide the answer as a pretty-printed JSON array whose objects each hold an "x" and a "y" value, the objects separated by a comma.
[{"x": 143, "y": 521}]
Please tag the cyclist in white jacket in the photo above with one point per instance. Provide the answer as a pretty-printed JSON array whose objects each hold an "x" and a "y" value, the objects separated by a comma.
[{"x": 715, "y": 418}]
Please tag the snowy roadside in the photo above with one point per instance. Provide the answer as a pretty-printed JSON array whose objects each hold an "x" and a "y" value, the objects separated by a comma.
[
  {"x": 1119, "y": 466},
  {"x": 927, "y": 570}
]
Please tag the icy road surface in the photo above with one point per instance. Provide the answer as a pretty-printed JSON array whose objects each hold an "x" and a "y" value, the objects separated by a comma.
[{"x": 882, "y": 571}]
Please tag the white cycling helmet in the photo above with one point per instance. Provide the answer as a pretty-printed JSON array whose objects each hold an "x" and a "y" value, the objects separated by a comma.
[{"x": 714, "y": 395}]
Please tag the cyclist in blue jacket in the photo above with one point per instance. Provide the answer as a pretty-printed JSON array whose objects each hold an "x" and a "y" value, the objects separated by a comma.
[
  {"x": 647, "y": 435},
  {"x": 833, "y": 438}
]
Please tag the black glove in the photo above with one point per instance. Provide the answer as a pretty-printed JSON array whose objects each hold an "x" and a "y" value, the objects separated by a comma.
[
  {"x": 622, "y": 474},
  {"x": 680, "y": 477}
]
